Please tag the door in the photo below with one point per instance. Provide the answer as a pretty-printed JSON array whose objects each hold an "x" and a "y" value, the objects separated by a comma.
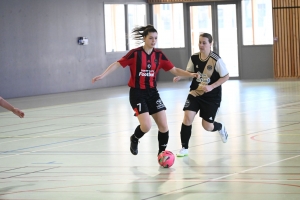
[{"x": 220, "y": 20}]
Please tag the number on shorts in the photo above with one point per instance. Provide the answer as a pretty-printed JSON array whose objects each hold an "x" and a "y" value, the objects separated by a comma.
[{"x": 140, "y": 106}]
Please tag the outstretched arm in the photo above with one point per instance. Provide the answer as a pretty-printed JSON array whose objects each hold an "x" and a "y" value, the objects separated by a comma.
[
  {"x": 9, "y": 107},
  {"x": 179, "y": 72},
  {"x": 110, "y": 69},
  {"x": 178, "y": 78}
]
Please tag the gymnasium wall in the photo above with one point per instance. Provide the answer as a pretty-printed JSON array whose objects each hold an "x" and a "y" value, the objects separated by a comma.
[
  {"x": 256, "y": 62},
  {"x": 39, "y": 53}
]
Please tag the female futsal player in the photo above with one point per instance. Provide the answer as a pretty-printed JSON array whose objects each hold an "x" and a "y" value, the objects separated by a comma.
[
  {"x": 205, "y": 92},
  {"x": 144, "y": 63}
]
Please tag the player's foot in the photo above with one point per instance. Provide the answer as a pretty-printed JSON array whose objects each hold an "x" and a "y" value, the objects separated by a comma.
[
  {"x": 159, "y": 151},
  {"x": 134, "y": 145},
  {"x": 223, "y": 134},
  {"x": 183, "y": 152}
]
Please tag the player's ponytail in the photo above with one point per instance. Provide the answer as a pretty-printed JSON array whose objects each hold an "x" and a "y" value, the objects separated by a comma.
[{"x": 140, "y": 32}]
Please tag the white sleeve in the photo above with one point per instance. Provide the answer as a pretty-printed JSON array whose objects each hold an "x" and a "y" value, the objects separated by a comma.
[
  {"x": 190, "y": 66},
  {"x": 221, "y": 68}
]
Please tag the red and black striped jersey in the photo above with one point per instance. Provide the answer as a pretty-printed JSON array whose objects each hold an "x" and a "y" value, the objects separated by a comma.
[{"x": 144, "y": 67}]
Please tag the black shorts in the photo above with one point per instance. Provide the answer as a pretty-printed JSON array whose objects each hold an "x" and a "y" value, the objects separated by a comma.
[
  {"x": 145, "y": 100},
  {"x": 208, "y": 108}
]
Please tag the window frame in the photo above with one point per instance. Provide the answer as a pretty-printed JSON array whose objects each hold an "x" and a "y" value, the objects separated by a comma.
[
  {"x": 126, "y": 23},
  {"x": 243, "y": 26}
]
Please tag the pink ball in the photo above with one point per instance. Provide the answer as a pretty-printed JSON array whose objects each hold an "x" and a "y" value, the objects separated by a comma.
[{"x": 166, "y": 159}]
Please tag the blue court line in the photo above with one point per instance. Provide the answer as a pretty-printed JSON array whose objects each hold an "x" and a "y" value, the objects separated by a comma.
[
  {"x": 52, "y": 162},
  {"x": 44, "y": 145}
]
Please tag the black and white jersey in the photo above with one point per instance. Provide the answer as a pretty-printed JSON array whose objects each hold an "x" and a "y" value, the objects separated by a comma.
[{"x": 210, "y": 70}]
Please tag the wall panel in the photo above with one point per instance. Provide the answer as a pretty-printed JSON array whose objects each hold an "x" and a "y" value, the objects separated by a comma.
[{"x": 286, "y": 25}]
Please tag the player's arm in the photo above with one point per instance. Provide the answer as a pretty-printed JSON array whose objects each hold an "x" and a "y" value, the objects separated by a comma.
[
  {"x": 109, "y": 70},
  {"x": 220, "y": 81},
  {"x": 178, "y": 78},
  {"x": 8, "y": 106},
  {"x": 182, "y": 73},
  {"x": 189, "y": 68},
  {"x": 223, "y": 72},
  {"x": 224, "y": 76}
]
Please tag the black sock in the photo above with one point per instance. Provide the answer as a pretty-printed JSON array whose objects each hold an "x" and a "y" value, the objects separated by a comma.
[
  {"x": 163, "y": 139},
  {"x": 138, "y": 133},
  {"x": 185, "y": 135},
  {"x": 217, "y": 126}
]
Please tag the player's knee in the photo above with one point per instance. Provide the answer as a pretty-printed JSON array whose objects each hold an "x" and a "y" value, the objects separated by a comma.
[
  {"x": 187, "y": 121},
  {"x": 208, "y": 126},
  {"x": 163, "y": 128},
  {"x": 146, "y": 127},
  {"x": 188, "y": 118}
]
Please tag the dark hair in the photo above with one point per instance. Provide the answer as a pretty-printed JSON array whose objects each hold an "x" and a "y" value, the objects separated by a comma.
[
  {"x": 139, "y": 32},
  {"x": 208, "y": 36}
]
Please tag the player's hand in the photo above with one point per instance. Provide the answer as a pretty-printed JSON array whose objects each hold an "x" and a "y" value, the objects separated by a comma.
[
  {"x": 205, "y": 88},
  {"x": 195, "y": 75},
  {"x": 96, "y": 78},
  {"x": 176, "y": 79},
  {"x": 18, "y": 112}
]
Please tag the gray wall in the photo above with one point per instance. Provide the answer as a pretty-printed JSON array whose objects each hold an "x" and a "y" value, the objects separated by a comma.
[
  {"x": 39, "y": 53},
  {"x": 256, "y": 62}
]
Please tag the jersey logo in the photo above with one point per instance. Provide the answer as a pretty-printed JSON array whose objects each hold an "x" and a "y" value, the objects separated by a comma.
[
  {"x": 148, "y": 65},
  {"x": 209, "y": 67},
  {"x": 149, "y": 73},
  {"x": 203, "y": 78}
]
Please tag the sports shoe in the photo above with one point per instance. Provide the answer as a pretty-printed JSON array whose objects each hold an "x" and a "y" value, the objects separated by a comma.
[
  {"x": 223, "y": 134},
  {"x": 134, "y": 145},
  {"x": 183, "y": 152}
]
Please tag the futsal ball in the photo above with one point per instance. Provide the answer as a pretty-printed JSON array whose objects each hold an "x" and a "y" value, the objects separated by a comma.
[{"x": 166, "y": 159}]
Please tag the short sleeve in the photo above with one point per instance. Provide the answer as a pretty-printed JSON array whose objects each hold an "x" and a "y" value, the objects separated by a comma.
[
  {"x": 190, "y": 66},
  {"x": 221, "y": 68},
  {"x": 165, "y": 63},
  {"x": 124, "y": 62},
  {"x": 127, "y": 59}
]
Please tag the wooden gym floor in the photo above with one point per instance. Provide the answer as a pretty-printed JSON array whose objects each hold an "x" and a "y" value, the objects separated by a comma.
[{"x": 76, "y": 146}]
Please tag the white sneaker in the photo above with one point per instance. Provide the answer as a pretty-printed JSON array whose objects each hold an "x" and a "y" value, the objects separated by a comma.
[
  {"x": 183, "y": 152},
  {"x": 223, "y": 134}
]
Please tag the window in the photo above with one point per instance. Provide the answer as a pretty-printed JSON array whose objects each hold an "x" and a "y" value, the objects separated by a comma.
[
  {"x": 257, "y": 22},
  {"x": 116, "y": 38},
  {"x": 168, "y": 21},
  {"x": 201, "y": 21},
  {"x": 136, "y": 17},
  {"x": 114, "y": 27}
]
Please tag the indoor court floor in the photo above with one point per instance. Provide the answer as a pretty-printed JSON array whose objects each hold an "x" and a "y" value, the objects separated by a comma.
[{"x": 75, "y": 146}]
